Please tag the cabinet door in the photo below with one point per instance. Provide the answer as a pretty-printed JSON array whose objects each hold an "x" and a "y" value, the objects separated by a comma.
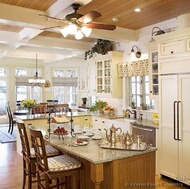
[
  {"x": 153, "y": 74},
  {"x": 77, "y": 121},
  {"x": 184, "y": 149},
  {"x": 167, "y": 146},
  {"x": 86, "y": 121}
]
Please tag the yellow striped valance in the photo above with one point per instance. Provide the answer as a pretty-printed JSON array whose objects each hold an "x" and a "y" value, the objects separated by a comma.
[{"x": 136, "y": 68}]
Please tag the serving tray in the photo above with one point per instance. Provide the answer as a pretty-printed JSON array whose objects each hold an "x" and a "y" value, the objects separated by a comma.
[{"x": 107, "y": 146}]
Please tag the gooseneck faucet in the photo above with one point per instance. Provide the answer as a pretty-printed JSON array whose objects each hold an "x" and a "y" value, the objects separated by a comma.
[{"x": 132, "y": 112}]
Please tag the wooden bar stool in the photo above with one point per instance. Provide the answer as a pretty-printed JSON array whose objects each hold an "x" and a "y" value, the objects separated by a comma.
[
  {"x": 53, "y": 169},
  {"x": 29, "y": 157}
]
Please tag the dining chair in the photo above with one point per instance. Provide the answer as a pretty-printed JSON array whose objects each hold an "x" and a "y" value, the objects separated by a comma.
[
  {"x": 54, "y": 169},
  {"x": 60, "y": 108},
  {"x": 29, "y": 157},
  {"x": 40, "y": 109},
  {"x": 12, "y": 121}
]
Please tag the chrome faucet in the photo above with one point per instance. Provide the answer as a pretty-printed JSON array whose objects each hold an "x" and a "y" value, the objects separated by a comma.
[{"x": 132, "y": 112}]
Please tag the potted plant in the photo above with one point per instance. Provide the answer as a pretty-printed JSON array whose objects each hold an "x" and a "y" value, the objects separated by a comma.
[
  {"x": 99, "y": 105},
  {"x": 100, "y": 47}
]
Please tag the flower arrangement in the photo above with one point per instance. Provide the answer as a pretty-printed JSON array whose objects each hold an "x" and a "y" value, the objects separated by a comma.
[
  {"x": 100, "y": 47},
  {"x": 28, "y": 103}
]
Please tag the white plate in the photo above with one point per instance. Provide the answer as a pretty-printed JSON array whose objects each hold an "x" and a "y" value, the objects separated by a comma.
[
  {"x": 83, "y": 137},
  {"x": 88, "y": 134},
  {"x": 77, "y": 132},
  {"x": 96, "y": 137},
  {"x": 81, "y": 144}
]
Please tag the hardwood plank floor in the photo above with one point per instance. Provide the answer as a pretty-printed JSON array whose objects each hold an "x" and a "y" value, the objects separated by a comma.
[{"x": 11, "y": 171}]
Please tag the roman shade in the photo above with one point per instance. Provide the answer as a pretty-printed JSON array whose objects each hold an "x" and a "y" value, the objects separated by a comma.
[{"x": 65, "y": 81}]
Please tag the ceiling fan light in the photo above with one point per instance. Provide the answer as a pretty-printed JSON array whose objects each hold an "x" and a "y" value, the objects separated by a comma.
[
  {"x": 79, "y": 35},
  {"x": 64, "y": 31},
  {"x": 86, "y": 31},
  {"x": 72, "y": 29}
]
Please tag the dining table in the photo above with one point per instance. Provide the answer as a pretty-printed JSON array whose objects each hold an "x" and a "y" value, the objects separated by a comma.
[{"x": 20, "y": 112}]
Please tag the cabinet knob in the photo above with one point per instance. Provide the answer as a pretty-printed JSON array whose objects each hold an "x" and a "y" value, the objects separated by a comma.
[
  {"x": 95, "y": 119},
  {"x": 150, "y": 91},
  {"x": 86, "y": 119},
  {"x": 103, "y": 121},
  {"x": 172, "y": 52}
]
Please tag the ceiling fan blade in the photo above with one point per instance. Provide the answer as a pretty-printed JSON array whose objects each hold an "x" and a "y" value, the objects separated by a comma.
[
  {"x": 89, "y": 17},
  {"x": 50, "y": 17},
  {"x": 101, "y": 26},
  {"x": 50, "y": 27}
]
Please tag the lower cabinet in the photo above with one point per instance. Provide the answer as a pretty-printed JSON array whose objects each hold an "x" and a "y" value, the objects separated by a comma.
[
  {"x": 99, "y": 123},
  {"x": 83, "y": 121}
]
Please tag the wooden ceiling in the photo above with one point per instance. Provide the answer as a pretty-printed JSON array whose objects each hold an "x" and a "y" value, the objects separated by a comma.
[
  {"x": 26, "y": 16},
  {"x": 152, "y": 11}
]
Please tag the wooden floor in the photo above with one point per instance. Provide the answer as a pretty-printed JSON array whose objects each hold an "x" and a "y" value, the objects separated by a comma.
[{"x": 11, "y": 171}]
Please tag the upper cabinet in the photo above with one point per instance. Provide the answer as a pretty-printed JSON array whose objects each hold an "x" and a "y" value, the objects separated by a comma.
[
  {"x": 153, "y": 71},
  {"x": 103, "y": 75},
  {"x": 173, "y": 50},
  {"x": 108, "y": 84}
]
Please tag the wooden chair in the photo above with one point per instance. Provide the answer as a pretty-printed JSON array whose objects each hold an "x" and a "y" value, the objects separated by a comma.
[
  {"x": 53, "y": 169},
  {"x": 29, "y": 158},
  {"x": 12, "y": 121},
  {"x": 39, "y": 109}
]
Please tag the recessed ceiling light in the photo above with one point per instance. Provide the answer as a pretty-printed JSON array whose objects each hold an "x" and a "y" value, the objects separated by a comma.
[
  {"x": 137, "y": 10},
  {"x": 115, "y": 19}
]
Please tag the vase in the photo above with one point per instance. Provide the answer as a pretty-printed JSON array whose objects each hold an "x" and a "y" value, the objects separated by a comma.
[{"x": 29, "y": 111}]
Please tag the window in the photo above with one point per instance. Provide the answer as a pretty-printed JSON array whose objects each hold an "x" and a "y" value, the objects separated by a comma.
[
  {"x": 65, "y": 85},
  {"x": 139, "y": 91},
  {"x": 3, "y": 91},
  {"x": 23, "y": 89}
]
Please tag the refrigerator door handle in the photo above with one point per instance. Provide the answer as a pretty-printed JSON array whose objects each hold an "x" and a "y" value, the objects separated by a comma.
[
  {"x": 178, "y": 120},
  {"x": 174, "y": 109}
]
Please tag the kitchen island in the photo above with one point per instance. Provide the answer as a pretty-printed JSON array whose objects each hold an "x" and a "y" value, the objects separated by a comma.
[
  {"x": 108, "y": 168},
  {"x": 101, "y": 168}
]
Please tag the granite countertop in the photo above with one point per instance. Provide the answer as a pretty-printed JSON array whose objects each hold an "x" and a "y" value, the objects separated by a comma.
[
  {"x": 138, "y": 122},
  {"x": 43, "y": 116},
  {"x": 119, "y": 118},
  {"x": 92, "y": 151}
]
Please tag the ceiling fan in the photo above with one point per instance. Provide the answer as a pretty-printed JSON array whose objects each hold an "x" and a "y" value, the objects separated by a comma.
[{"x": 80, "y": 25}]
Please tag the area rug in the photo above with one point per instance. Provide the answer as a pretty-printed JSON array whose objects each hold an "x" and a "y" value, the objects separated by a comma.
[{"x": 6, "y": 137}]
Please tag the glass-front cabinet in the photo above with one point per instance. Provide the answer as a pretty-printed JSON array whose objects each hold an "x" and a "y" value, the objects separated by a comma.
[
  {"x": 108, "y": 84},
  {"x": 103, "y": 76},
  {"x": 153, "y": 71}
]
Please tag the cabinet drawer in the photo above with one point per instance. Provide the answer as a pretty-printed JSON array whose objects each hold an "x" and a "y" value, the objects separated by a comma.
[
  {"x": 172, "y": 48},
  {"x": 188, "y": 44}
]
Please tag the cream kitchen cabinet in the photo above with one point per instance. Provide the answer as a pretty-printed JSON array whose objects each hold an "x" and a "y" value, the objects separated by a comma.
[
  {"x": 99, "y": 122},
  {"x": 188, "y": 45},
  {"x": 82, "y": 121},
  {"x": 153, "y": 71},
  {"x": 174, "y": 128},
  {"x": 172, "y": 48},
  {"x": 107, "y": 83}
]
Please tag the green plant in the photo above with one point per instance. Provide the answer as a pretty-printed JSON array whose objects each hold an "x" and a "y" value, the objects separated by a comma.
[
  {"x": 98, "y": 105},
  {"x": 100, "y": 47}
]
